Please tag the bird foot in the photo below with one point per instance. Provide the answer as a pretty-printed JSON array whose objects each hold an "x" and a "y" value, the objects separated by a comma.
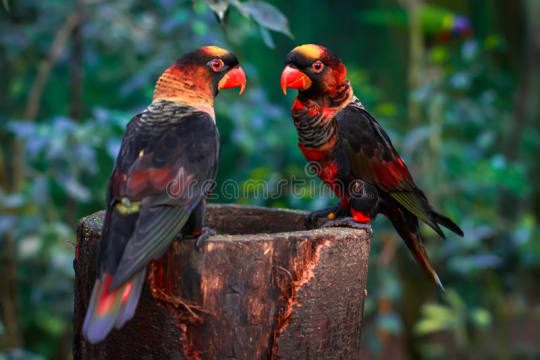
[
  {"x": 206, "y": 232},
  {"x": 201, "y": 237},
  {"x": 337, "y": 211},
  {"x": 349, "y": 222}
]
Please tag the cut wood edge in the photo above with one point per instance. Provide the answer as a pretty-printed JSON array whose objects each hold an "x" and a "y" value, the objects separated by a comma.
[{"x": 300, "y": 283}]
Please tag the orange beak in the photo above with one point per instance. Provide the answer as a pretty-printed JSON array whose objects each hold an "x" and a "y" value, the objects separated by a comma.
[
  {"x": 294, "y": 79},
  {"x": 234, "y": 78}
]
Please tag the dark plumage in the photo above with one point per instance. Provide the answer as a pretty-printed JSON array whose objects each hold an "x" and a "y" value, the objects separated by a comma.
[
  {"x": 159, "y": 185},
  {"x": 355, "y": 152}
]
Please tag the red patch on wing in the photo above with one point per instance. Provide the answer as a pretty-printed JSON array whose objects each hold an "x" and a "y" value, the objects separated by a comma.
[
  {"x": 400, "y": 166},
  {"x": 391, "y": 174},
  {"x": 137, "y": 182},
  {"x": 384, "y": 175},
  {"x": 360, "y": 217},
  {"x": 160, "y": 177},
  {"x": 394, "y": 170},
  {"x": 140, "y": 181}
]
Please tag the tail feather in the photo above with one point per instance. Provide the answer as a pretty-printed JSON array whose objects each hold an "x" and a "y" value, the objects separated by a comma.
[
  {"x": 407, "y": 227},
  {"x": 435, "y": 218},
  {"x": 111, "y": 308},
  {"x": 414, "y": 243},
  {"x": 446, "y": 222}
]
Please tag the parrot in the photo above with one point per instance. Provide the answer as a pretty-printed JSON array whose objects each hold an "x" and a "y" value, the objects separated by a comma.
[
  {"x": 160, "y": 183},
  {"x": 353, "y": 155}
]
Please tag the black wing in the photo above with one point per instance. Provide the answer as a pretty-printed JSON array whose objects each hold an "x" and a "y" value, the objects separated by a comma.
[
  {"x": 163, "y": 170},
  {"x": 372, "y": 157}
]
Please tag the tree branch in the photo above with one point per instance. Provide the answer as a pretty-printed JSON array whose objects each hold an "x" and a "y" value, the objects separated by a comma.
[{"x": 32, "y": 105}]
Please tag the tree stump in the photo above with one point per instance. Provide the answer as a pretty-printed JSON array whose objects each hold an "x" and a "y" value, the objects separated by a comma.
[{"x": 267, "y": 289}]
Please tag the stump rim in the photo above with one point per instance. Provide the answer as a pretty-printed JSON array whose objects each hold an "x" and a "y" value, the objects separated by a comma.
[{"x": 263, "y": 236}]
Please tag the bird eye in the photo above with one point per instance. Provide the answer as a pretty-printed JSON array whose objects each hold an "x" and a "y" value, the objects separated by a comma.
[
  {"x": 318, "y": 66},
  {"x": 217, "y": 64}
]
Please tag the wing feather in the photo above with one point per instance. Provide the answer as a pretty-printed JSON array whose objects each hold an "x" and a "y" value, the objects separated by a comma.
[
  {"x": 376, "y": 161},
  {"x": 150, "y": 239},
  {"x": 181, "y": 150}
]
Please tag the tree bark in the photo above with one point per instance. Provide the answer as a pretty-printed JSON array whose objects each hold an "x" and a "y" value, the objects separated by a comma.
[{"x": 264, "y": 290}]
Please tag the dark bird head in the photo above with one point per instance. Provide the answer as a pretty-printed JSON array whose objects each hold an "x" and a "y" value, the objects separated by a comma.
[
  {"x": 198, "y": 76},
  {"x": 313, "y": 70}
]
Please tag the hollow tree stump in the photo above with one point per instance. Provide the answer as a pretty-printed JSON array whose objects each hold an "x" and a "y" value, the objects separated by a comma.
[{"x": 266, "y": 290}]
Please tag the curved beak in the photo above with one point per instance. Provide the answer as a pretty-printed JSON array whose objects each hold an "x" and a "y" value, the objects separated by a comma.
[
  {"x": 234, "y": 78},
  {"x": 294, "y": 79}
]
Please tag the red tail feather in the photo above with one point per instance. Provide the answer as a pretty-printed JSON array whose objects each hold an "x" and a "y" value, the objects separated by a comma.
[{"x": 111, "y": 308}]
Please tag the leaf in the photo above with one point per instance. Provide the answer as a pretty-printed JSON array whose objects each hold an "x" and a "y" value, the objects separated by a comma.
[
  {"x": 219, "y": 7},
  {"x": 437, "y": 312},
  {"x": 76, "y": 190},
  {"x": 6, "y": 223},
  {"x": 435, "y": 318},
  {"x": 268, "y": 16},
  {"x": 428, "y": 326},
  {"x": 22, "y": 129},
  {"x": 13, "y": 201},
  {"x": 29, "y": 246},
  {"x": 240, "y": 7},
  {"x": 267, "y": 37},
  {"x": 481, "y": 317},
  {"x": 456, "y": 302}
]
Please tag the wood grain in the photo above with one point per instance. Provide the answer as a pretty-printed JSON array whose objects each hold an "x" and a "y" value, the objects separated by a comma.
[{"x": 266, "y": 289}]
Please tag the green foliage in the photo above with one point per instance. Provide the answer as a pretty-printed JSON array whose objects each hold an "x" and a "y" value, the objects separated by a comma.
[
  {"x": 433, "y": 19},
  {"x": 266, "y": 15},
  {"x": 454, "y": 317}
]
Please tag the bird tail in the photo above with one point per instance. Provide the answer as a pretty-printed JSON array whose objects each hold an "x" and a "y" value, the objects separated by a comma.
[
  {"x": 111, "y": 308},
  {"x": 446, "y": 222},
  {"x": 409, "y": 233},
  {"x": 436, "y": 219}
]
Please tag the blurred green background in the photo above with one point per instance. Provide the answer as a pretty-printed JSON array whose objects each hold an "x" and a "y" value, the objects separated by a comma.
[{"x": 456, "y": 84}]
